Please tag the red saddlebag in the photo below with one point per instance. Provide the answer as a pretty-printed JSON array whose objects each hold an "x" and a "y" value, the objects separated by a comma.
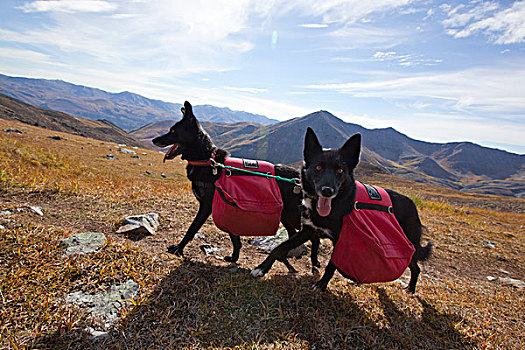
[
  {"x": 372, "y": 246},
  {"x": 246, "y": 204}
]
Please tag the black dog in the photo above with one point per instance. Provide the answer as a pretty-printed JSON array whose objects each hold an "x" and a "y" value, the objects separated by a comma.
[
  {"x": 195, "y": 145},
  {"x": 329, "y": 191}
]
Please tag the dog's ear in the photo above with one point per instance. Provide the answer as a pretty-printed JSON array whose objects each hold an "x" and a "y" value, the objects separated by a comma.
[
  {"x": 351, "y": 151},
  {"x": 187, "y": 111},
  {"x": 312, "y": 146}
]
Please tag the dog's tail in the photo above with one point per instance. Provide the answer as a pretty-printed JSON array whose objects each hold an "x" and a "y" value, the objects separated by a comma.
[{"x": 424, "y": 252}]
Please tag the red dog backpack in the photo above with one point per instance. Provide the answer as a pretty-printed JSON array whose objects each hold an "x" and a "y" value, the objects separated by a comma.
[
  {"x": 372, "y": 247},
  {"x": 245, "y": 204}
]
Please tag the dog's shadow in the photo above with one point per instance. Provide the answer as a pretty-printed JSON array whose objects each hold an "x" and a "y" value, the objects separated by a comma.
[
  {"x": 201, "y": 306},
  {"x": 432, "y": 330}
]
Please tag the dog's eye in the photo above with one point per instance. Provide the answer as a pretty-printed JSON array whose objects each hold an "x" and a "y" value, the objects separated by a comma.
[
  {"x": 339, "y": 171},
  {"x": 318, "y": 168}
]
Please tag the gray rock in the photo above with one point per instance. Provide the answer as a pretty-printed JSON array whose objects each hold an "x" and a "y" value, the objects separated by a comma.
[
  {"x": 145, "y": 224},
  {"x": 32, "y": 209},
  {"x": 401, "y": 282},
  {"x": 489, "y": 244},
  {"x": 2, "y": 227},
  {"x": 199, "y": 235},
  {"x": 512, "y": 282},
  {"x": 16, "y": 131},
  {"x": 110, "y": 156},
  {"x": 269, "y": 243},
  {"x": 83, "y": 243},
  {"x": 104, "y": 306},
  {"x": 97, "y": 335},
  {"x": 210, "y": 250},
  {"x": 35, "y": 210},
  {"x": 127, "y": 151},
  {"x": 491, "y": 278}
]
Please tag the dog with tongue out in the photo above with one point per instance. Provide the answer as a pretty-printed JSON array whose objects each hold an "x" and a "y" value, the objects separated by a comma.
[{"x": 327, "y": 177}]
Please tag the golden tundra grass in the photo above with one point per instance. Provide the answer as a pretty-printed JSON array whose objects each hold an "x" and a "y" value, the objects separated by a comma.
[{"x": 201, "y": 302}]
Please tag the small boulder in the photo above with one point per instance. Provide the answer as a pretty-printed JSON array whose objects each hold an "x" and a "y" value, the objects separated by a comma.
[
  {"x": 35, "y": 210},
  {"x": 401, "y": 282},
  {"x": 16, "y": 131},
  {"x": 270, "y": 243},
  {"x": 145, "y": 224},
  {"x": 210, "y": 250},
  {"x": 512, "y": 282},
  {"x": 490, "y": 244},
  {"x": 83, "y": 243},
  {"x": 104, "y": 307},
  {"x": 128, "y": 151}
]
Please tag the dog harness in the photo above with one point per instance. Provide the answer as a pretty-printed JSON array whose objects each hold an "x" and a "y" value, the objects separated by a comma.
[
  {"x": 247, "y": 200},
  {"x": 372, "y": 247}
]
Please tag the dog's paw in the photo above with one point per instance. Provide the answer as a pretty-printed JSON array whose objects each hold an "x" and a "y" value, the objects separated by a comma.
[
  {"x": 258, "y": 272},
  {"x": 231, "y": 258},
  {"x": 319, "y": 287},
  {"x": 175, "y": 249},
  {"x": 411, "y": 291}
]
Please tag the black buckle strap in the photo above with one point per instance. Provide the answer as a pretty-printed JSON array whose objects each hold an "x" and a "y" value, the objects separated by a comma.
[{"x": 371, "y": 206}]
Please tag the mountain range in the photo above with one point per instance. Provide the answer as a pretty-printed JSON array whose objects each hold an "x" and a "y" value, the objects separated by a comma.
[
  {"x": 459, "y": 165},
  {"x": 125, "y": 109}
]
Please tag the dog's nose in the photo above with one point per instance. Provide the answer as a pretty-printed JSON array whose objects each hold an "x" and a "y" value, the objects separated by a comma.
[{"x": 327, "y": 191}]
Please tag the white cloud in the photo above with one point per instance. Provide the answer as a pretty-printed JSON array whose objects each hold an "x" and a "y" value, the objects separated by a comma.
[
  {"x": 26, "y": 55},
  {"x": 345, "y": 11},
  {"x": 476, "y": 90},
  {"x": 246, "y": 89},
  {"x": 407, "y": 60},
  {"x": 313, "y": 25},
  {"x": 69, "y": 6},
  {"x": 359, "y": 36},
  {"x": 505, "y": 26}
]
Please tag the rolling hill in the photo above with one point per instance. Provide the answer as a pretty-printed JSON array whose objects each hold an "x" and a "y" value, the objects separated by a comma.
[
  {"x": 125, "y": 109},
  {"x": 12, "y": 109},
  {"x": 459, "y": 165}
]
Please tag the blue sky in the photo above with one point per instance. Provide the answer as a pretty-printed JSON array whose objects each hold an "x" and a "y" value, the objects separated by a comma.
[{"x": 435, "y": 70}]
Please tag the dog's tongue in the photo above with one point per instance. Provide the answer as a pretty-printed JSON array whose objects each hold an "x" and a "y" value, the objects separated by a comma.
[
  {"x": 169, "y": 155},
  {"x": 324, "y": 205}
]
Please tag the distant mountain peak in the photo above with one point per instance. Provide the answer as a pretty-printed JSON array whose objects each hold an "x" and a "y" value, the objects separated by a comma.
[{"x": 126, "y": 109}]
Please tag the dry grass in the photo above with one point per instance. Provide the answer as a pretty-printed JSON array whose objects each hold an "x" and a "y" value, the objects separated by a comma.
[{"x": 203, "y": 302}]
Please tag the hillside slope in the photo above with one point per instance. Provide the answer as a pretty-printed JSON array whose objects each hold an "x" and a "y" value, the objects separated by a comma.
[
  {"x": 467, "y": 296},
  {"x": 12, "y": 109}
]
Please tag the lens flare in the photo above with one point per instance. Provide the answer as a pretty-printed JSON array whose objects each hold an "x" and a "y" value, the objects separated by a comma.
[{"x": 275, "y": 36}]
